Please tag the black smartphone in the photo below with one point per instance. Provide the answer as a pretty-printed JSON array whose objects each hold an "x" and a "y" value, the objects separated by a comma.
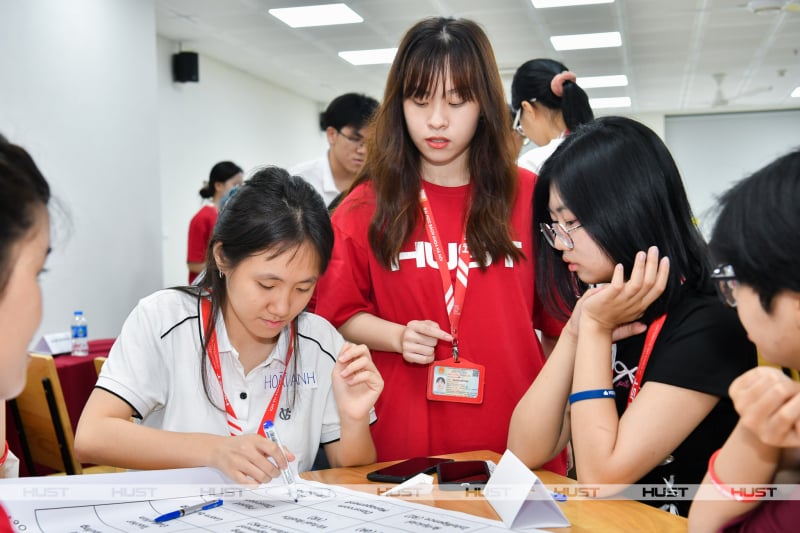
[
  {"x": 463, "y": 475},
  {"x": 405, "y": 470}
]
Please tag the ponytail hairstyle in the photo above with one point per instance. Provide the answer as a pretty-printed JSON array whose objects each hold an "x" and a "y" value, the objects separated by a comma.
[
  {"x": 551, "y": 84},
  {"x": 220, "y": 173}
]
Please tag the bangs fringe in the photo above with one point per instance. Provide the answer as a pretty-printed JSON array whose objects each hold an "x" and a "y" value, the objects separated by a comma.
[{"x": 431, "y": 65}]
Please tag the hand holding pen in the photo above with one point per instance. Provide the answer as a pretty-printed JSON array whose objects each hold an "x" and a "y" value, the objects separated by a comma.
[{"x": 272, "y": 434}]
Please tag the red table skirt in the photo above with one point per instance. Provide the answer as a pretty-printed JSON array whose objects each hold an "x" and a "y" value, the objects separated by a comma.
[{"x": 77, "y": 376}]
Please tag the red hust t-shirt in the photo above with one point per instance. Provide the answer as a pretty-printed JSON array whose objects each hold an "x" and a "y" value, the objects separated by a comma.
[{"x": 499, "y": 315}]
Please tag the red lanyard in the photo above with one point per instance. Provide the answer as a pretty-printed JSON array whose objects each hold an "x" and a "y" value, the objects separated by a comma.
[
  {"x": 453, "y": 299},
  {"x": 213, "y": 356},
  {"x": 649, "y": 342}
]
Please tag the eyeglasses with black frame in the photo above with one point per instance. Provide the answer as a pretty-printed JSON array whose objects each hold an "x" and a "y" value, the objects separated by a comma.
[
  {"x": 726, "y": 283},
  {"x": 555, "y": 231},
  {"x": 359, "y": 141}
]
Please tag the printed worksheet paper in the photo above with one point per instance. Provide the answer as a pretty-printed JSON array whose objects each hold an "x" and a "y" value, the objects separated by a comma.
[{"x": 72, "y": 504}]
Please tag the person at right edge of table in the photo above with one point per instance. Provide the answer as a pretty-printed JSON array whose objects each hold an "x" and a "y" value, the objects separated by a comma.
[
  {"x": 755, "y": 242},
  {"x": 639, "y": 378},
  {"x": 432, "y": 265}
]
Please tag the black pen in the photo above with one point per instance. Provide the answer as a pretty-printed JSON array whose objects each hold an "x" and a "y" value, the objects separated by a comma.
[{"x": 205, "y": 506}]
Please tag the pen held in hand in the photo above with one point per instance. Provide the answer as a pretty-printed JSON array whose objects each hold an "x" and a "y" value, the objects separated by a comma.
[
  {"x": 205, "y": 506},
  {"x": 288, "y": 478}
]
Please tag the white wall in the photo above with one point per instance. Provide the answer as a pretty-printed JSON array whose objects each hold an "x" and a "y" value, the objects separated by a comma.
[
  {"x": 86, "y": 87},
  {"x": 78, "y": 90},
  {"x": 713, "y": 151},
  {"x": 654, "y": 121},
  {"x": 227, "y": 115}
]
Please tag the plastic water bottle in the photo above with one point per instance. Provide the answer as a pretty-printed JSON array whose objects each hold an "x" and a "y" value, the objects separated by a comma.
[{"x": 80, "y": 341}]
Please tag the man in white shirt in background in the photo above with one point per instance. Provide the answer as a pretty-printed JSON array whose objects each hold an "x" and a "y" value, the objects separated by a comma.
[{"x": 344, "y": 123}]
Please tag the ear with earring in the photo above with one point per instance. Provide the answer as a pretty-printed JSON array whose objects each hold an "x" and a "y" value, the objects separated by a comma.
[{"x": 221, "y": 275}]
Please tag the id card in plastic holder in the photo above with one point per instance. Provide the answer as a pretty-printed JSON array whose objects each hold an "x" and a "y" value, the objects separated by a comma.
[{"x": 460, "y": 382}]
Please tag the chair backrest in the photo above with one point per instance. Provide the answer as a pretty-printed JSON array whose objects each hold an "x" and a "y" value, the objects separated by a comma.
[
  {"x": 45, "y": 430},
  {"x": 98, "y": 364}
]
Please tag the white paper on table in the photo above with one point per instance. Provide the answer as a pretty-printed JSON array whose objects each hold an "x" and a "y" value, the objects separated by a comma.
[
  {"x": 520, "y": 497},
  {"x": 129, "y": 502}
]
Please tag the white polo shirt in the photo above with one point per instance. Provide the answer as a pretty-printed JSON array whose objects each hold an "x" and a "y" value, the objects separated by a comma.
[
  {"x": 155, "y": 366},
  {"x": 318, "y": 173},
  {"x": 534, "y": 158}
]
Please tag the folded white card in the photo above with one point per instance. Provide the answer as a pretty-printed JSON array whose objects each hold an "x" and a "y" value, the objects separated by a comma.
[
  {"x": 520, "y": 497},
  {"x": 54, "y": 343}
]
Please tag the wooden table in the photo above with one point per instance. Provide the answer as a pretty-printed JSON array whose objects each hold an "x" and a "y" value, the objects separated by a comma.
[{"x": 585, "y": 515}]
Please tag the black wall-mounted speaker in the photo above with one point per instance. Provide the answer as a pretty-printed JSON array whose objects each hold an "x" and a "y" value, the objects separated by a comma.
[{"x": 185, "y": 67}]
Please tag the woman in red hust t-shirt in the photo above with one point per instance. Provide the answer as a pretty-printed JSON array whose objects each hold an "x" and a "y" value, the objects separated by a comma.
[
  {"x": 224, "y": 177},
  {"x": 432, "y": 263},
  {"x": 24, "y": 245}
]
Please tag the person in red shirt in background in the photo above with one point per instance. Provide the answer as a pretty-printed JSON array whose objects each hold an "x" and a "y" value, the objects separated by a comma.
[
  {"x": 24, "y": 246},
  {"x": 440, "y": 176},
  {"x": 224, "y": 176}
]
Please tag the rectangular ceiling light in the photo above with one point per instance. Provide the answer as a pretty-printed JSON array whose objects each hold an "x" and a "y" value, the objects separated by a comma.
[
  {"x": 582, "y": 41},
  {"x": 605, "y": 103},
  {"x": 593, "y": 82},
  {"x": 379, "y": 56},
  {"x": 324, "y": 15},
  {"x": 796, "y": 92},
  {"x": 541, "y": 4}
]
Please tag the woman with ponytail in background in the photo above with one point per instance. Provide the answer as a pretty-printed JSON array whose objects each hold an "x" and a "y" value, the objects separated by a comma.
[
  {"x": 548, "y": 104},
  {"x": 223, "y": 178}
]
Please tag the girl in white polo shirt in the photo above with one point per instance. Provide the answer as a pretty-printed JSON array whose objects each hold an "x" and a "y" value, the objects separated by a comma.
[{"x": 200, "y": 399}]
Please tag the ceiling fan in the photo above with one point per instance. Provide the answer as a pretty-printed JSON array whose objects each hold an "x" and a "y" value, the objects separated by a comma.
[{"x": 720, "y": 99}]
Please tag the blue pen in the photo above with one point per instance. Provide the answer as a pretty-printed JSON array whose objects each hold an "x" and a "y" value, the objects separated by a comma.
[
  {"x": 557, "y": 496},
  {"x": 205, "y": 506}
]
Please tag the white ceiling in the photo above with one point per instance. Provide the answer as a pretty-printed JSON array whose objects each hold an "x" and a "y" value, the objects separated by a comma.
[{"x": 671, "y": 48}]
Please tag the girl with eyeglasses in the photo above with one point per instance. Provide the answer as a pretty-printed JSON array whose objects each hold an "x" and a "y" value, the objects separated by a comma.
[
  {"x": 755, "y": 238},
  {"x": 548, "y": 103},
  {"x": 432, "y": 264},
  {"x": 638, "y": 380}
]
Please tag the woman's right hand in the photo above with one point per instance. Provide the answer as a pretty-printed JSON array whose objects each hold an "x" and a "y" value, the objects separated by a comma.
[
  {"x": 419, "y": 341},
  {"x": 245, "y": 458}
]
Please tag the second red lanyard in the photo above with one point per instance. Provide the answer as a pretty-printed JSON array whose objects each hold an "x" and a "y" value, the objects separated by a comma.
[{"x": 453, "y": 295}]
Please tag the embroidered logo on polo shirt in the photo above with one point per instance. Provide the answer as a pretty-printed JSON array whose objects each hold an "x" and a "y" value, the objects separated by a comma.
[{"x": 285, "y": 413}]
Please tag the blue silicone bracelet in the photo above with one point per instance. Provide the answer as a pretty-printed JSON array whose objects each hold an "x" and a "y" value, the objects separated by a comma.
[{"x": 591, "y": 395}]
